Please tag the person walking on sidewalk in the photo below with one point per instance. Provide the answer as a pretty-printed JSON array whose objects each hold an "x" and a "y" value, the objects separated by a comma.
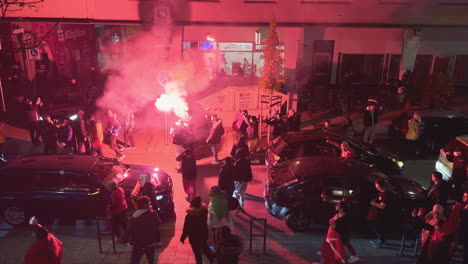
[
  {"x": 226, "y": 176},
  {"x": 380, "y": 208},
  {"x": 196, "y": 229},
  {"x": 243, "y": 175},
  {"x": 214, "y": 136},
  {"x": 189, "y": 172},
  {"x": 117, "y": 210},
  {"x": 371, "y": 118},
  {"x": 129, "y": 124},
  {"x": 181, "y": 134},
  {"x": 143, "y": 232},
  {"x": 113, "y": 129},
  {"x": 230, "y": 247},
  {"x": 218, "y": 209},
  {"x": 341, "y": 223},
  {"x": 96, "y": 136}
]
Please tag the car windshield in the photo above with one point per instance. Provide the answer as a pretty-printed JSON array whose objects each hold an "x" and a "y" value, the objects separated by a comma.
[{"x": 106, "y": 170}]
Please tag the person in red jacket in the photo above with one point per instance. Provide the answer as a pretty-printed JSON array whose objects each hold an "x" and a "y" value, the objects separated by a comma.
[
  {"x": 46, "y": 250},
  {"x": 117, "y": 209}
]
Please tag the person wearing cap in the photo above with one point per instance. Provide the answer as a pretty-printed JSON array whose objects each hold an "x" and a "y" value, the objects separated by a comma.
[
  {"x": 196, "y": 229},
  {"x": 226, "y": 176},
  {"x": 117, "y": 209},
  {"x": 218, "y": 208},
  {"x": 189, "y": 172},
  {"x": 47, "y": 249}
]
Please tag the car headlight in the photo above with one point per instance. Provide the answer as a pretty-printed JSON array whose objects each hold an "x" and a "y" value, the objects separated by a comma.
[
  {"x": 159, "y": 197},
  {"x": 400, "y": 164}
]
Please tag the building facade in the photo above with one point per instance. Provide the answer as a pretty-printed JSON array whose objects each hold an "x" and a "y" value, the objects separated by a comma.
[{"x": 322, "y": 40}]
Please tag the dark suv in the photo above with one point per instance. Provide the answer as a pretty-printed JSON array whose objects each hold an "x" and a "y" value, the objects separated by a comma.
[
  {"x": 319, "y": 147},
  {"x": 294, "y": 191},
  {"x": 71, "y": 186}
]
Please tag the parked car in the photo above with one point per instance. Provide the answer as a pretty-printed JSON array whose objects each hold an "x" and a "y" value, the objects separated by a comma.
[
  {"x": 71, "y": 186},
  {"x": 318, "y": 146},
  {"x": 438, "y": 127},
  {"x": 443, "y": 165},
  {"x": 303, "y": 192}
]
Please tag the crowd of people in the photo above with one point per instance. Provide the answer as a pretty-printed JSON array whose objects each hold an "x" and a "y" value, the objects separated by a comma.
[{"x": 77, "y": 133}]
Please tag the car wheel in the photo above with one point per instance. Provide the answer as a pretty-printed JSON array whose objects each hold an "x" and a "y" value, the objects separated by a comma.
[
  {"x": 14, "y": 215},
  {"x": 298, "y": 220}
]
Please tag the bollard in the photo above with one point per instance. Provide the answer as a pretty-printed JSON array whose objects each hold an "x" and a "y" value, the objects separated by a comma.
[
  {"x": 252, "y": 220},
  {"x": 101, "y": 234}
]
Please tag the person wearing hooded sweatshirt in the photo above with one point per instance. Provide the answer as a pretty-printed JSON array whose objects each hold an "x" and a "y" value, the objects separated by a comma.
[
  {"x": 196, "y": 229},
  {"x": 117, "y": 209},
  {"x": 218, "y": 209},
  {"x": 243, "y": 175},
  {"x": 46, "y": 250},
  {"x": 226, "y": 176},
  {"x": 189, "y": 172},
  {"x": 143, "y": 232},
  {"x": 241, "y": 144},
  {"x": 144, "y": 187}
]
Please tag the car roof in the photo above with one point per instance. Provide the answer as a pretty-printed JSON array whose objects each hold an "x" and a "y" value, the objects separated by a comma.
[
  {"x": 68, "y": 162},
  {"x": 307, "y": 135},
  {"x": 463, "y": 139},
  {"x": 436, "y": 113}
]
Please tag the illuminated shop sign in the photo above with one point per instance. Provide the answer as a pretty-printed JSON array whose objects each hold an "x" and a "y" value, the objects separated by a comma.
[{"x": 235, "y": 46}]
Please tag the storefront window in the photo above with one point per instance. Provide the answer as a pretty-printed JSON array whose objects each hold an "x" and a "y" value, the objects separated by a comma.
[{"x": 240, "y": 59}]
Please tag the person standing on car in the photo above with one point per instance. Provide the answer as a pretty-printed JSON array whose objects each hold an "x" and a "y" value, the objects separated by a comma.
[
  {"x": 371, "y": 118},
  {"x": 226, "y": 176},
  {"x": 117, "y": 209},
  {"x": 96, "y": 136},
  {"x": 414, "y": 133},
  {"x": 46, "y": 249},
  {"x": 214, "y": 136},
  {"x": 113, "y": 129},
  {"x": 380, "y": 207},
  {"x": 143, "y": 230},
  {"x": 129, "y": 124},
  {"x": 243, "y": 175},
  {"x": 196, "y": 229},
  {"x": 459, "y": 171},
  {"x": 439, "y": 191},
  {"x": 189, "y": 172}
]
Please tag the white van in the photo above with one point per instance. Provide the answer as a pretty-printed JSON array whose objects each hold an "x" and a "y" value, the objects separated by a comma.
[{"x": 442, "y": 164}]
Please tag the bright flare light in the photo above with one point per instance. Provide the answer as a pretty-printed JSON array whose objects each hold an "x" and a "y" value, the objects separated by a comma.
[{"x": 173, "y": 100}]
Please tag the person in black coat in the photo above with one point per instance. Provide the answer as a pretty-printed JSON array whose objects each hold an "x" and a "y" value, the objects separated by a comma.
[
  {"x": 294, "y": 121},
  {"x": 226, "y": 176},
  {"x": 371, "y": 118},
  {"x": 214, "y": 137},
  {"x": 143, "y": 232},
  {"x": 439, "y": 191},
  {"x": 196, "y": 229},
  {"x": 459, "y": 171},
  {"x": 243, "y": 175},
  {"x": 144, "y": 187},
  {"x": 189, "y": 172},
  {"x": 48, "y": 131},
  {"x": 279, "y": 125},
  {"x": 240, "y": 145}
]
